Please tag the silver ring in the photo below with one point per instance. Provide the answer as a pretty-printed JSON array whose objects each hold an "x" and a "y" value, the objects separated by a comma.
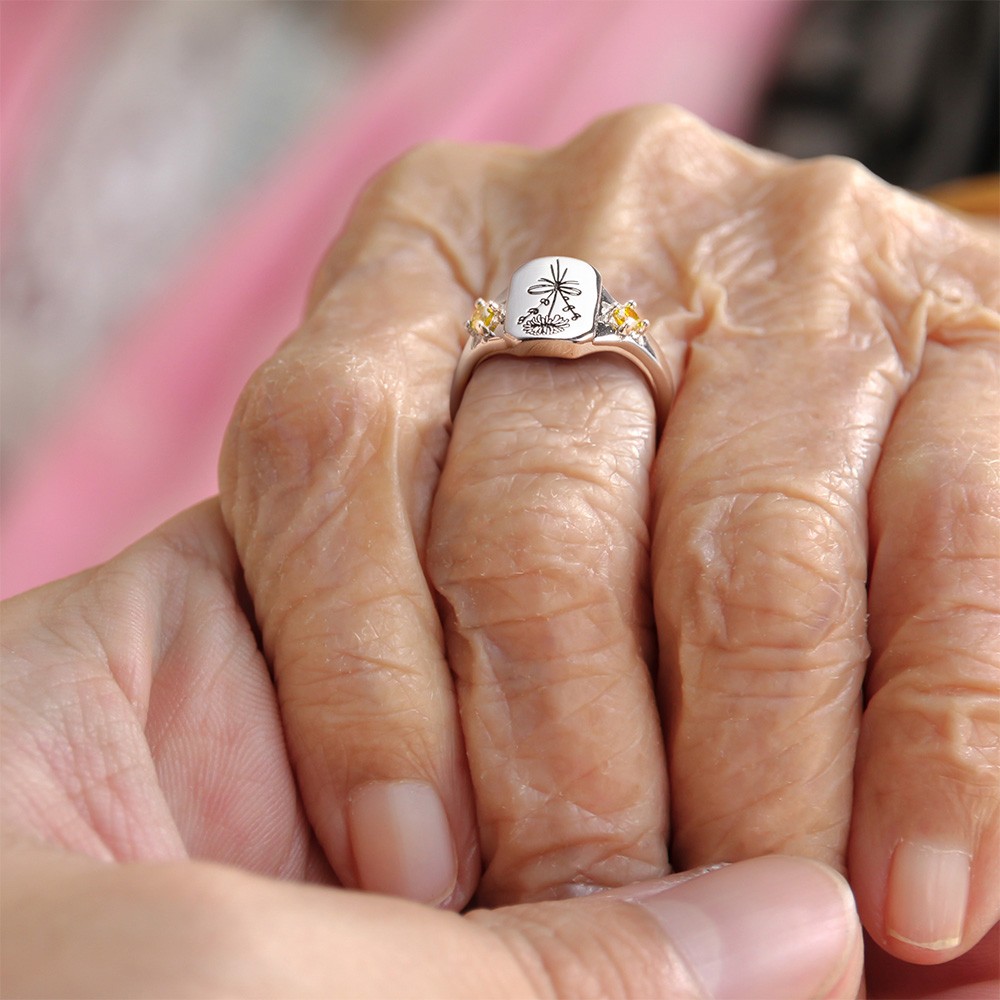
[{"x": 557, "y": 307}]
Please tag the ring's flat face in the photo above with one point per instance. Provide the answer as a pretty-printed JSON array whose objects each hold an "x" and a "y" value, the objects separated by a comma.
[{"x": 553, "y": 298}]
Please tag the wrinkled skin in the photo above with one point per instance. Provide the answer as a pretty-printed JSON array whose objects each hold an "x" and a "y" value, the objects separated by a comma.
[
  {"x": 479, "y": 607},
  {"x": 476, "y": 610}
]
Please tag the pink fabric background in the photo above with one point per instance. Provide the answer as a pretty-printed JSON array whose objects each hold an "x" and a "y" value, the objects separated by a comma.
[{"x": 140, "y": 440}]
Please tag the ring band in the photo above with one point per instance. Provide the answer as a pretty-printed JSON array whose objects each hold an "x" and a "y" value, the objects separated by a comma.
[{"x": 557, "y": 307}]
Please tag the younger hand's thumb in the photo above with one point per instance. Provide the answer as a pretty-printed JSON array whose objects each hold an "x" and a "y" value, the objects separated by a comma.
[{"x": 775, "y": 928}]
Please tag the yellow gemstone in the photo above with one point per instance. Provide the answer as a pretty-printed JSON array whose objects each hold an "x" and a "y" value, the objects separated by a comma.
[
  {"x": 485, "y": 316},
  {"x": 626, "y": 316}
]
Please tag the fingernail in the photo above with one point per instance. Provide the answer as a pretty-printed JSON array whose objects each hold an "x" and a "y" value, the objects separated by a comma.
[
  {"x": 928, "y": 895},
  {"x": 402, "y": 840},
  {"x": 773, "y": 928}
]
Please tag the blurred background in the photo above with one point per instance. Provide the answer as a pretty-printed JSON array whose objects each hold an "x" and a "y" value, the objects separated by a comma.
[{"x": 171, "y": 171}]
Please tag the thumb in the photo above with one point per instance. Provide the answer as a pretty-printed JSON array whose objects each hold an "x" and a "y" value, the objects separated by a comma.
[{"x": 774, "y": 928}]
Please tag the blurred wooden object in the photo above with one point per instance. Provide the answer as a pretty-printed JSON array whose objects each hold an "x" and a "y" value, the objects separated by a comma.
[{"x": 974, "y": 195}]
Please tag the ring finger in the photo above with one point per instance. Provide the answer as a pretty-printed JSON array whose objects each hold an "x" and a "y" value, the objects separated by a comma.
[{"x": 539, "y": 551}]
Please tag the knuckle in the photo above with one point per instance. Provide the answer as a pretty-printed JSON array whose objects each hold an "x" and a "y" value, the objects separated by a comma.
[
  {"x": 554, "y": 545},
  {"x": 854, "y": 268},
  {"x": 299, "y": 416},
  {"x": 438, "y": 195},
  {"x": 950, "y": 723},
  {"x": 403, "y": 181},
  {"x": 909, "y": 270},
  {"x": 626, "y": 156},
  {"x": 304, "y": 436},
  {"x": 825, "y": 222},
  {"x": 834, "y": 180},
  {"x": 428, "y": 160},
  {"x": 657, "y": 128},
  {"x": 768, "y": 573},
  {"x": 831, "y": 199},
  {"x": 564, "y": 848},
  {"x": 435, "y": 181},
  {"x": 419, "y": 216}
]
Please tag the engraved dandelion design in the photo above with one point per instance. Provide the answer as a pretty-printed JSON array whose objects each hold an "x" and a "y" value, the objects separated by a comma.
[{"x": 556, "y": 294}]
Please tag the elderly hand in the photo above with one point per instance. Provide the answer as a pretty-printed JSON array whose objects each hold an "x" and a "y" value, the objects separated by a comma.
[
  {"x": 461, "y": 619},
  {"x": 153, "y": 843}
]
